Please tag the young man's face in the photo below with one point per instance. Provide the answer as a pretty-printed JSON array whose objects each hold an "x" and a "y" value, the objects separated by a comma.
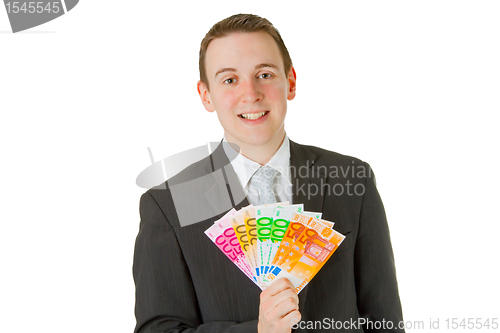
[{"x": 248, "y": 87}]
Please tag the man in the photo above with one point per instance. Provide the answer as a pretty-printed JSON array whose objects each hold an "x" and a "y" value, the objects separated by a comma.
[{"x": 184, "y": 283}]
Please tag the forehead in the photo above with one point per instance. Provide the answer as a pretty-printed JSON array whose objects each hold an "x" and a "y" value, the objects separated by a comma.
[{"x": 242, "y": 50}]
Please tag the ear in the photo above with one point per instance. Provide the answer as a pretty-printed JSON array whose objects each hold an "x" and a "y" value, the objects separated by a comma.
[
  {"x": 292, "y": 83},
  {"x": 205, "y": 96}
]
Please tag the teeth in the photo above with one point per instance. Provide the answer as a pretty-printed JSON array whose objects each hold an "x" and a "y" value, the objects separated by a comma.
[{"x": 253, "y": 116}]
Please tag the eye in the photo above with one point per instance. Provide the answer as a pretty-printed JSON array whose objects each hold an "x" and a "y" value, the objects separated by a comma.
[
  {"x": 265, "y": 75},
  {"x": 229, "y": 81}
]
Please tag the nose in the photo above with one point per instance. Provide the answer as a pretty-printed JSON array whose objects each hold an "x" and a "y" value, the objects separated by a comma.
[{"x": 251, "y": 92}]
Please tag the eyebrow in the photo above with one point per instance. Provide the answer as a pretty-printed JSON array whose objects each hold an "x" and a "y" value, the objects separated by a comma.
[
  {"x": 266, "y": 65},
  {"x": 231, "y": 69},
  {"x": 227, "y": 69}
]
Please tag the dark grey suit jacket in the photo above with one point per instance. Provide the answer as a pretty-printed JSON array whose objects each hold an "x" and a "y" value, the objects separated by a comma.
[{"x": 185, "y": 283}]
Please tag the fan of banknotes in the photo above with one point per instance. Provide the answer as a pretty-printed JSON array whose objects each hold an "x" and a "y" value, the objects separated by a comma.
[{"x": 273, "y": 241}]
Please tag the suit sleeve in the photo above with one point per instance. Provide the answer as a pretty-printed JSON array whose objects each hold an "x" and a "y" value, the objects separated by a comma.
[
  {"x": 165, "y": 296},
  {"x": 375, "y": 273}
]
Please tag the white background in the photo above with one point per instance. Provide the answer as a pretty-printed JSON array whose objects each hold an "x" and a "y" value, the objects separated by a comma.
[{"x": 410, "y": 87}]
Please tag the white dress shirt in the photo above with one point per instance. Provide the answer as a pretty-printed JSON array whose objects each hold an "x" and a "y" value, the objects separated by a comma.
[{"x": 282, "y": 185}]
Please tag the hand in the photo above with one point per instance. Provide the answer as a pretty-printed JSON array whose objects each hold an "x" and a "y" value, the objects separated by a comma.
[{"x": 279, "y": 307}]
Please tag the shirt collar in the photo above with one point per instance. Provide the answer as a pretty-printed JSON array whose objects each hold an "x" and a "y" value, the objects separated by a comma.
[{"x": 245, "y": 167}]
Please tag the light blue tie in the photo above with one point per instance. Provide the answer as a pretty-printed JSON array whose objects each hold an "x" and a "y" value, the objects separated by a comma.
[{"x": 263, "y": 182}]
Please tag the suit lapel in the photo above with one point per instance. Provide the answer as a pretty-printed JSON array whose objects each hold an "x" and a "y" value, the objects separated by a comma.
[
  {"x": 225, "y": 184},
  {"x": 307, "y": 185},
  {"x": 307, "y": 179}
]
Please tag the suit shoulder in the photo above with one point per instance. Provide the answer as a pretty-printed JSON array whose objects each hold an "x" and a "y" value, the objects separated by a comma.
[
  {"x": 190, "y": 172},
  {"x": 328, "y": 157}
]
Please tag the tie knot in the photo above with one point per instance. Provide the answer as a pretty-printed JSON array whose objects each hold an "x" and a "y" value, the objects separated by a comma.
[
  {"x": 264, "y": 177},
  {"x": 263, "y": 181}
]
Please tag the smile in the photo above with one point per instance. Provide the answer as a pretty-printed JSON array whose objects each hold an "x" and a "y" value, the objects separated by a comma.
[{"x": 253, "y": 116}]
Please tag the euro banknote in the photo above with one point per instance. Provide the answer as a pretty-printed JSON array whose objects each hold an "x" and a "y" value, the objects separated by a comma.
[{"x": 272, "y": 241}]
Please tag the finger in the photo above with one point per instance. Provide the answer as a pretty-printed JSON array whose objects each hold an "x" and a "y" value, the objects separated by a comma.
[
  {"x": 292, "y": 318},
  {"x": 279, "y": 305},
  {"x": 284, "y": 307},
  {"x": 287, "y": 294},
  {"x": 276, "y": 287}
]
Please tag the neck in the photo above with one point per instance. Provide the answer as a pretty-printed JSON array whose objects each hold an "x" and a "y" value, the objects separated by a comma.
[{"x": 261, "y": 153}]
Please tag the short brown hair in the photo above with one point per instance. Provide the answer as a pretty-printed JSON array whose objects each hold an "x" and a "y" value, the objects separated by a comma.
[{"x": 241, "y": 23}]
